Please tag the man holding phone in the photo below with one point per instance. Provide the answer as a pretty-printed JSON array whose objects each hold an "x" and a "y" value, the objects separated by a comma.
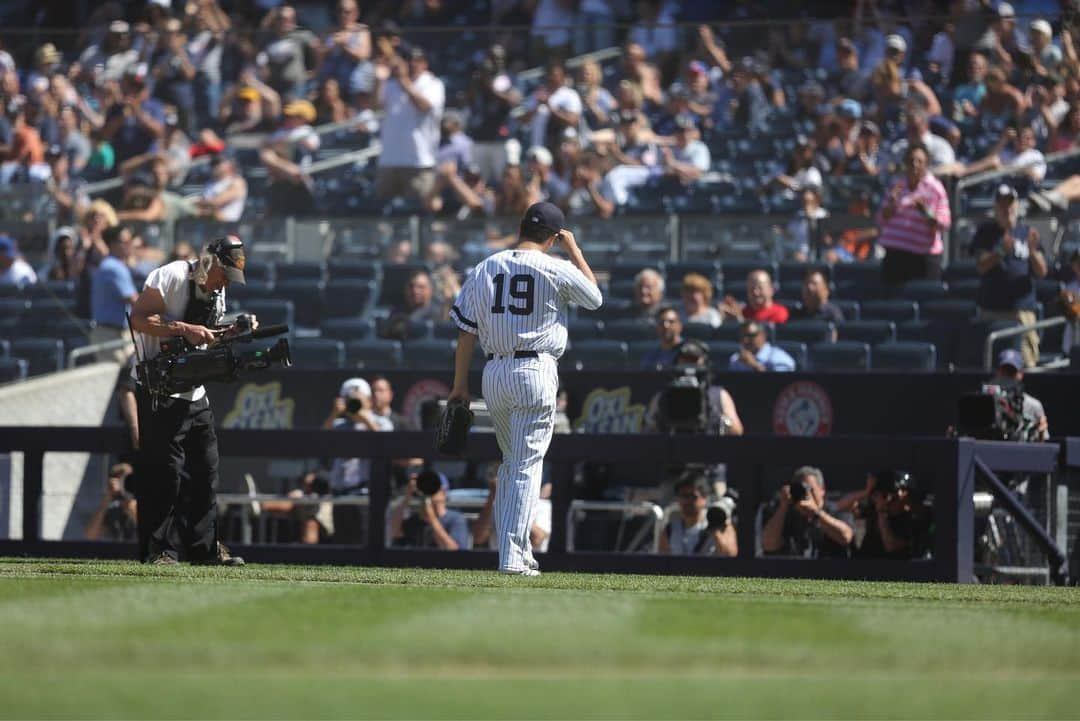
[{"x": 515, "y": 302}]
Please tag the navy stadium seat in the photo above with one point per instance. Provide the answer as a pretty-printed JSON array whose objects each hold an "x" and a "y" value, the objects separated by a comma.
[
  {"x": 905, "y": 356},
  {"x": 949, "y": 310},
  {"x": 637, "y": 350},
  {"x": 12, "y": 369},
  {"x": 447, "y": 330},
  {"x": 5, "y": 348},
  {"x": 348, "y": 298},
  {"x": 867, "y": 331},
  {"x": 857, "y": 277},
  {"x": 898, "y": 311},
  {"x": 238, "y": 294},
  {"x": 923, "y": 290},
  {"x": 406, "y": 330},
  {"x": 798, "y": 352},
  {"x": 11, "y": 312},
  {"x": 374, "y": 353},
  {"x": 794, "y": 272},
  {"x": 43, "y": 355},
  {"x": 960, "y": 270},
  {"x": 318, "y": 353},
  {"x": 805, "y": 331},
  {"x": 736, "y": 270},
  {"x": 429, "y": 354},
  {"x": 628, "y": 329},
  {"x": 392, "y": 292},
  {"x": 271, "y": 311},
  {"x": 840, "y": 356},
  {"x": 720, "y": 352},
  {"x": 346, "y": 329},
  {"x": 850, "y": 308},
  {"x": 965, "y": 289},
  {"x": 596, "y": 355},
  {"x": 258, "y": 270},
  {"x": 581, "y": 329},
  {"x": 307, "y": 300},
  {"x": 621, "y": 271},
  {"x": 353, "y": 269},
  {"x": 305, "y": 270},
  {"x": 612, "y": 309},
  {"x": 698, "y": 331},
  {"x": 63, "y": 289}
]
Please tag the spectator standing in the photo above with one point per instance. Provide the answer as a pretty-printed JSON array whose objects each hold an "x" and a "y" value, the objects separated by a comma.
[
  {"x": 1008, "y": 260},
  {"x": 74, "y": 144},
  {"x": 803, "y": 235},
  {"x": 413, "y": 99},
  {"x": 14, "y": 270},
  {"x": 108, "y": 62},
  {"x": 802, "y": 171},
  {"x": 1045, "y": 56},
  {"x": 63, "y": 263},
  {"x": 917, "y": 129},
  {"x": 598, "y": 104},
  {"x": 757, "y": 354},
  {"x": 669, "y": 328},
  {"x": 490, "y": 98},
  {"x": 174, "y": 74},
  {"x": 552, "y": 107},
  {"x": 329, "y": 105},
  {"x": 252, "y": 107},
  {"x": 552, "y": 28},
  {"x": 25, "y": 157},
  {"x": 224, "y": 197},
  {"x": 287, "y": 153},
  {"x": 135, "y": 123},
  {"x": 64, "y": 191},
  {"x": 807, "y": 525},
  {"x": 912, "y": 219},
  {"x": 968, "y": 97},
  {"x": 206, "y": 26},
  {"x": 543, "y": 182},
  {"x": 287, "y": 55},
  {"x": 112, "y": 291},
  {"x": 346, "y": 47},
  {"x": 455, "y": 146},
  {"x": 815, "y": 300}
]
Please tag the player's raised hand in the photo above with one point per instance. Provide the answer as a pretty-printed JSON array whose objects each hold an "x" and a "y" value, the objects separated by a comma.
[{"x": 566, "y": 238}]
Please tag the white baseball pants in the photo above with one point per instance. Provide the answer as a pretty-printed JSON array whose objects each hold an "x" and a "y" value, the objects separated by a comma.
[{"x": 520, "y": 395}]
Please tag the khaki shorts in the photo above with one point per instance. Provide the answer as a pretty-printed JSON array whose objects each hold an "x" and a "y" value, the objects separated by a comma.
[
  {"x": 1029, "y": 342},
  {"x": 413, "y": 183},
  {"x": 103, "y": 334}
]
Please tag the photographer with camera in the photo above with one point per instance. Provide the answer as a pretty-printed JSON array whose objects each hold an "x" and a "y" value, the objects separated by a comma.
[
  {"x": 177, "y": 464},
  {"x": 898, "y": 522},
  {"x": 701, "y": 526},
  {"x": 431, "y": 524},
  {"x": 689, "y": 403},
  {"x": 114, "y": 518},
  {"x": 802, "y": 523}
]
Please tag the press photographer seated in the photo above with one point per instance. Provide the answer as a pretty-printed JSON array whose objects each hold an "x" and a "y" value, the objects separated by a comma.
[
  {"x": 700, "y": 527},
  {"x": 689, "y": 403},
  {"x": 897, "y": 517},
  {"x": 421, "y": 518},
  {"x": 800, "y": 522}
]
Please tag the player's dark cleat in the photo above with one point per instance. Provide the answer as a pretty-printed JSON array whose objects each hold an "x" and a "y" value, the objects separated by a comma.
[
  {"x": 221, "y": 558},
  {"x": 164, "y": 559}
]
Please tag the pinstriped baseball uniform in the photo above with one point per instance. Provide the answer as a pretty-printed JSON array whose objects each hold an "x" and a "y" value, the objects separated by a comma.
[{"x": 515, "y": 301}]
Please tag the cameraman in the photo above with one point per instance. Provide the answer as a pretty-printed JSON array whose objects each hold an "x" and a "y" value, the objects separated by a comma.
[
  {"x": 434, "y": 525},
  {"x": 721, "y": 416},
  {"x": 691, "y": 531},
  {"x": 802, "y": 523},
  {"x": 178, "y": 457},
  {"x": 1010, "y": 374},
  {"x": 897, "y": 520}
]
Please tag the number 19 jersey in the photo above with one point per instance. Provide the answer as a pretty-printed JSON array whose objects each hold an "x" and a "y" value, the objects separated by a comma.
[{"x": 515, "y": 300}]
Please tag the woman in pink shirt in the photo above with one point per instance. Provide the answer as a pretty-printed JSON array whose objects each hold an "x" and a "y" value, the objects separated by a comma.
[{"x": 912, "y": 219}]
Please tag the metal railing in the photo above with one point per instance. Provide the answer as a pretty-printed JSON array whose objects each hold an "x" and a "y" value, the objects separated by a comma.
[
  {"x": 988, "y": 345},
  {"x": 578, "y": 508},
  {"x": 90, "y": 350}
]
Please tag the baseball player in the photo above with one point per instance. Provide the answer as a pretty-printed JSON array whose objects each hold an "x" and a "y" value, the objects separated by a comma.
[{"x": 515, "y": 302}]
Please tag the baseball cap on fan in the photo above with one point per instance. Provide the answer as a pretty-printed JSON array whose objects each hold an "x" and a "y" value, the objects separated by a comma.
[
  {"x": 545, "y": 215},
  {"x": 1011, "y": 357},
  {"x": 355, "y": 384}
]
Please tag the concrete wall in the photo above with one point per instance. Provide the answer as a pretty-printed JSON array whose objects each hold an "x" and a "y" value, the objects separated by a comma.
[{"x": 73, "y": 481}]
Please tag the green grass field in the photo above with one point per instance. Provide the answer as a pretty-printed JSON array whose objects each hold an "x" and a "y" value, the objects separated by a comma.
[{"x": 110, "y": 639}]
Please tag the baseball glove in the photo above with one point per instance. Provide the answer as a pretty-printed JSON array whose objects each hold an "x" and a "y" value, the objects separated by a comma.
[{"x": 452, "y": 433}]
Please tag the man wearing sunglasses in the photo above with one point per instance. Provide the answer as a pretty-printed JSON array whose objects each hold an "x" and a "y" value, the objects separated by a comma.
[{"x": 757, "y": 354}]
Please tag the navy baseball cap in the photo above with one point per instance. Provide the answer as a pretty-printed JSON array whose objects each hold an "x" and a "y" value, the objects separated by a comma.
[
  {"x": 545, "y": 215},
  {"x": 1011, "y": 357}
]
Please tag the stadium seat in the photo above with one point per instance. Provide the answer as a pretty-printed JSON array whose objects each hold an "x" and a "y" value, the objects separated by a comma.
[
  {"x": 1046, "y": 290},
  {"x": 969, "y": 348},
  {"x": 258, "y": 270},
  {"x": 956, "y": 312},
  {"x": 628, "y": 329},
  {"x": 923, "y": 290},
  {"x": 306, "y": 297},
  {"x": 805, "y": 331},
  {"x": 42, "y": 355},
  {"x": 11, "y": 312},
  {"x": 238, "y": 294},
  {"x": 621, "y": 289},
  {"x": 1074, "y": 358},
  {"x": 271, "y": 311},
  {"x": 621, "y": 271},
  {"x": 797, "y": 351},
  {"x": 12, "y": 369},
  {"x": 393, "y": 283},
  {"x": 698, "y": 331},
  {"x": 446, "y": 329},
  {"x": 346, "y": 329},
  {"x": 905, "y": 356},
  {"x": 349, "y": 298},
  {"x": 794, "y": 272},
  {"x": 9, "y": 290},
  {"x": 867, "y": 331},
  {"x": 406, "y": 330},
  {"x": 63, "y": 289},
  {"x": 850, "y": 308},
  {"x": 318, "y": 353},
  {"x": 5, "y": 348},
  {"x": 429, "y": 354},
  {"x": 965, "y": 289},
  {"x": 736, "y": 269},
  {"x": 612, "y": 309},
  {"x": 637, "y": 349},
  {"x": 898, "y": 311},
  {"x": 580, "y": 329},
  {"x": 353, "y": 269},
  {"x": 608, "y": 355},
  {"x": 720, "y": 352},
  {"x": 306, "y": 270},
  {"x": 374, "y": 354},
  {"x": 862, "y": 280},
  {"x": 960, "y": 270},
  {"x": 45, "y": 313},
  {"x": 840, "y": 356}
]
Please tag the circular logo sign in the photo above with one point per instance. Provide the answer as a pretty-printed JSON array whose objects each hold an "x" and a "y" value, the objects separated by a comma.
[
  {"x": 803, "y": 409},
  {"x": 427, "y": 389}
]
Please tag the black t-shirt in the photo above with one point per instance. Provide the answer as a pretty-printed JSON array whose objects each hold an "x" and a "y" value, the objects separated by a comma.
[
  {"x": 801, "y": 538},
  {"x": 915, "y": 527},
  {"x": 1008, "y": 285},
  {"x": 827, "y": 311}
]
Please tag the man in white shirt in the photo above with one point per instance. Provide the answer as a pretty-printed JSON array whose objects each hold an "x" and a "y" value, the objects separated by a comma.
[
  {"x": 13, "y": 269},
  {"x": 918, "y": 131},
  {"x": 553, "y": 107},
  {"x": 413, "y": 100}
]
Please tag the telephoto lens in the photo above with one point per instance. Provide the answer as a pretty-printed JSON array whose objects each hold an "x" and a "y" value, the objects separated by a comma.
[
  {"x": 798, "y": 490},
  {"x": 429, "y": 482}
]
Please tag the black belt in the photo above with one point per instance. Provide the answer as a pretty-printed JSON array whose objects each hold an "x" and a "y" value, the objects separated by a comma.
[{"x": 517, "y": 354}]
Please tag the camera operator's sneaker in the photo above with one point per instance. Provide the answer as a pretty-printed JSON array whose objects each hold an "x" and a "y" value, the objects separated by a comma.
[
  {"x": 164, "y": 559},
  {"x": 221, "y": 558}
]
